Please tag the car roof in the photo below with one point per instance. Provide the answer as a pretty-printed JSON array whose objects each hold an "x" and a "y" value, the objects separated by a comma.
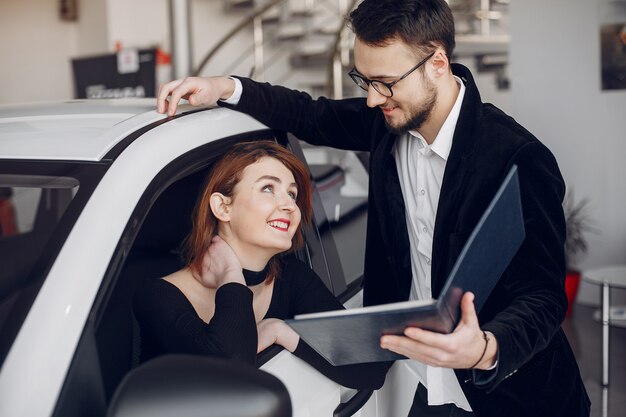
[{"x": 77, "y": 130}]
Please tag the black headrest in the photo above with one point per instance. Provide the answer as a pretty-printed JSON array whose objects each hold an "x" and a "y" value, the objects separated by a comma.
[{"x": 169, "y": 220}]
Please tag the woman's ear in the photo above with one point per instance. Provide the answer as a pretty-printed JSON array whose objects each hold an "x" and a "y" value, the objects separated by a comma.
[{"x": 220, "y": 206}]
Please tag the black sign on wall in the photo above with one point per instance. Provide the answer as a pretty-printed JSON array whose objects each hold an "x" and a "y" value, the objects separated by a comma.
[{"x": 128, "y": 73}]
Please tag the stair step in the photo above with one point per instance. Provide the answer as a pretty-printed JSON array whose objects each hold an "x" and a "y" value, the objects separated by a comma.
[
  {"x": 313, "y": 53},
  {"x": 300, "y": 10},
  {"x": 239, "y": 4},
  {"x": 290, "y": 31},
  {"x": 273, "y": 15},
  {"x": 328, "y": 29}
]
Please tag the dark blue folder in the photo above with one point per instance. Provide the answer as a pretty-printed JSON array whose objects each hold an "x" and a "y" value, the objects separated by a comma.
[{"x": 353, "y": 336}]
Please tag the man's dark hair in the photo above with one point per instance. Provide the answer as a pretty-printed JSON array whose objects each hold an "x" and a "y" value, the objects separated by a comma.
[{"x": 422, "y": 24}]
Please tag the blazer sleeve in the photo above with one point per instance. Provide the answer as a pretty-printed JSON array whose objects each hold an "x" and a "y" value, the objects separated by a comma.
[
  {"x": 535, "y": 303},
  {"x": 171, "y": 323},
  {"x": 310, "y": 295},
  {"x": 344, "y": 124}
]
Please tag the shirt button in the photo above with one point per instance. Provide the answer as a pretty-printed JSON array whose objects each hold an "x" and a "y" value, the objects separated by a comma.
[
  {"x": 424, "y": 229},
  {"x": 422, "y": 191},
  {"x": 428, "y": 261}
]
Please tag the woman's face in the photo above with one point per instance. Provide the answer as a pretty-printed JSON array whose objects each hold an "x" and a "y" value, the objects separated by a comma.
[{"x": 263, "y": 214}]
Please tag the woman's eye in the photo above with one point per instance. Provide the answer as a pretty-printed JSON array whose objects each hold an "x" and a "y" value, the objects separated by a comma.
[
  {"x": 293, "y": 195},
  {"x": 268, "y": 189}
]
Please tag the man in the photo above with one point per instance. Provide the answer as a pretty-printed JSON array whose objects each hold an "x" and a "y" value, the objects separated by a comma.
[{"x": 437, "y": 157}]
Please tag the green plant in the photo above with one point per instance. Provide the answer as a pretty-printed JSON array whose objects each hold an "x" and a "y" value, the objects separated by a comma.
[{"x": 577, "y": 224}]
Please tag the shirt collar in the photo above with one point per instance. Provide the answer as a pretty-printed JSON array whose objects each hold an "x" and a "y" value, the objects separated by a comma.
[{"x": 443, "y": 141}]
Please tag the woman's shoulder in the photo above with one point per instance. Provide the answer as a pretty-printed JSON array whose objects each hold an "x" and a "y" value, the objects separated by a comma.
[{"x": 156, "y": 292}]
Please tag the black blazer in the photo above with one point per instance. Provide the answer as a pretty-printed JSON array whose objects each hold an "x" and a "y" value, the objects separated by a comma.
[{"x": 537, "y": 373}]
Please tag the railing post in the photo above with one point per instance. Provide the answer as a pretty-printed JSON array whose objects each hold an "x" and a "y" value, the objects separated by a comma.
[
  {"x": 340, "y": 57},
  {"x": 485, "y": 15},
  {"x": 337, "y": 78},
  {"x": 259, "y": 61},
  {"x": 181, "y": 37}
]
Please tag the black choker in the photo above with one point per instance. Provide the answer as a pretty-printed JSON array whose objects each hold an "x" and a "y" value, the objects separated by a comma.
[{"x": 255, "y": 277}]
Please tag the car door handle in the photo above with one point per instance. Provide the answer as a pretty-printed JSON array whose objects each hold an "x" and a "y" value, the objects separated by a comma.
[{"x": 354, "y": 404}]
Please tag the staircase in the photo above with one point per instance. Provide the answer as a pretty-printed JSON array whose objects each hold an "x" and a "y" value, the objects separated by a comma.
[{"x": 304, "y": 44}]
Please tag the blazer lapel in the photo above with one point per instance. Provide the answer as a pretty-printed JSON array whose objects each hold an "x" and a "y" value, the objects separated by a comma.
[
  {"x": 458, "y": 171},
  {"x": 392, "y": 212}
]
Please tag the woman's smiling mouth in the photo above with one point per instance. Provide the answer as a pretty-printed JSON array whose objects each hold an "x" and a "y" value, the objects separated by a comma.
[{"x": 280, "y": 224}]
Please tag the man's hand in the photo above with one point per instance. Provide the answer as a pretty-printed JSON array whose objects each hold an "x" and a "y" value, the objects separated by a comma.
[
  {"x": 460, "y": 349},
  {"x": 220, "y": 265},
  {"x": 198, "y": 91},
  {"x": 275, "y": 331}
]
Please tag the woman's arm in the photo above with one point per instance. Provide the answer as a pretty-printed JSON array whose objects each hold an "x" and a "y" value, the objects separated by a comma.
[
  {"x": 169, "y": 323},
  {"x": 309, "y": 295}
]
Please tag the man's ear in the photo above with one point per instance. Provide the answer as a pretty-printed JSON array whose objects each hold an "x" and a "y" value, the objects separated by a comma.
[
  {"x": 440, "y": 63},
  {"x": 220, "y": 206}
]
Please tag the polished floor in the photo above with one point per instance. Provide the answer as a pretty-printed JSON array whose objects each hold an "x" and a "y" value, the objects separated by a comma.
[{"x": 585, "y": 336}]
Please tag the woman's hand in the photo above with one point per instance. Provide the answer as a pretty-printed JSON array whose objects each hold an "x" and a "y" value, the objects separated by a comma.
[
  {"x": 275, "y": 331},
  {"x": 199, "y": 91},
  {"x": 220, "y": 265}
]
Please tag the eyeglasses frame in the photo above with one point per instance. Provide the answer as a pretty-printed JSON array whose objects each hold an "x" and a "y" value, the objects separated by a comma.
[{"x": 354, "y": 73}]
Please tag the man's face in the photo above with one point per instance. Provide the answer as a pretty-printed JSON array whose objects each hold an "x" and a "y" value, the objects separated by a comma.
[{"x": 414, "y": 97}]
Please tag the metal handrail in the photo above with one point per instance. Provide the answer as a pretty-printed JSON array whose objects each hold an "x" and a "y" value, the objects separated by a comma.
[{"x": 254, "y": 19}]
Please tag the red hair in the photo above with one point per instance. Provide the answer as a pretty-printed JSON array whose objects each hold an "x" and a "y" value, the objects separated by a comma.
[{"x": 223, "y": 178}]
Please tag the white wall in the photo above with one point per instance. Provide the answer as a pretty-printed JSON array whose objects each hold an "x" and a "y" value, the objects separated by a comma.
[
  {"x": 34, "y": 49},
  {"x": 37, "y": 46},
  {"x": 137, "y": 23},
  {"x": 556, "y": 94}
]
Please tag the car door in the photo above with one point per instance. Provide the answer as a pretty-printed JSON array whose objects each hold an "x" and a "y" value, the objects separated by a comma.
[{"x": 108, "y": 346}]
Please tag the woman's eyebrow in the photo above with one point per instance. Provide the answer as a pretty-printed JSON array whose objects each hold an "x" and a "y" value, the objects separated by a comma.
[
  {"x": 268, "y": 177},
  {"x": 275, "y": 179}
]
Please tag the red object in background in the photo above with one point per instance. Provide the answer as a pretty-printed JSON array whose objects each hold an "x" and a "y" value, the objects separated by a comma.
[
  {"x": 7, "y": 218},
  {"x": 162, "y": 57},
  {"x": 572, "y": 281}
]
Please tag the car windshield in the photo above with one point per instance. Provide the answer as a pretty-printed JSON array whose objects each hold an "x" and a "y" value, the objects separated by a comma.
[{"x": 39, "y": 203}]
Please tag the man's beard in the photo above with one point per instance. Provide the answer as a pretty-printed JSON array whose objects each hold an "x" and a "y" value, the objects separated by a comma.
[{"x": 418, "y": 115}]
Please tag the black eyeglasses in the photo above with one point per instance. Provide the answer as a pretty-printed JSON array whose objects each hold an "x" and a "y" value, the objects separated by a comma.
[{"x": 382, "y": 87}]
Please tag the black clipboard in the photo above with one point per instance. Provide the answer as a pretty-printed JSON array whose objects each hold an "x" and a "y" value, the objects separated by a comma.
[{"x": 353, "y": 336}]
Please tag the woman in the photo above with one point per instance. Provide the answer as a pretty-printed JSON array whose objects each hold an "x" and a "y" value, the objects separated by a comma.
[{"x": 237, "y": 288}]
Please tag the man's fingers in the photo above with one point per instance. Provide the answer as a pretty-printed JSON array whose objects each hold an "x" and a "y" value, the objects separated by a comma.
[
  {"x": 177, "y": 94},
  {"x": 424, "y": 336},
  {"x": 175, "y": 90},
  {"x": 413, "y": 349},
  {"x": 468, "y": 311},
  {"x": 164, "y": 91}
]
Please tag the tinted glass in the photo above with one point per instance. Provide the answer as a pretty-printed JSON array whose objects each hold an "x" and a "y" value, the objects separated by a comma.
[
  {"x": 37, "y": 210},
  {"x": 342, "y": 183}
]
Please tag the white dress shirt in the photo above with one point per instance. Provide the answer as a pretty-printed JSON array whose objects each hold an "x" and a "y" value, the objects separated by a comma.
[{"x": 420, "y": 170}]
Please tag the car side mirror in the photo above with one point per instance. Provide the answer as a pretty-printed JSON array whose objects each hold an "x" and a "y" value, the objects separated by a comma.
[{"x": 197, "y": 386}]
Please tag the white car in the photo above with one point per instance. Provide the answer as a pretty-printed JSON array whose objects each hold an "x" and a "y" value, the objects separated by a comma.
[{"x": 96, "y": 196}]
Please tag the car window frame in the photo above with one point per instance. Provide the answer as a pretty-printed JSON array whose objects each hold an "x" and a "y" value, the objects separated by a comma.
[{"x": 88, "y": 175}]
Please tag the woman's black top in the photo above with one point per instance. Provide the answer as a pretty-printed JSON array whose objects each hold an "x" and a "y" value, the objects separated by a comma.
[{"x": 169, "y": 323}]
